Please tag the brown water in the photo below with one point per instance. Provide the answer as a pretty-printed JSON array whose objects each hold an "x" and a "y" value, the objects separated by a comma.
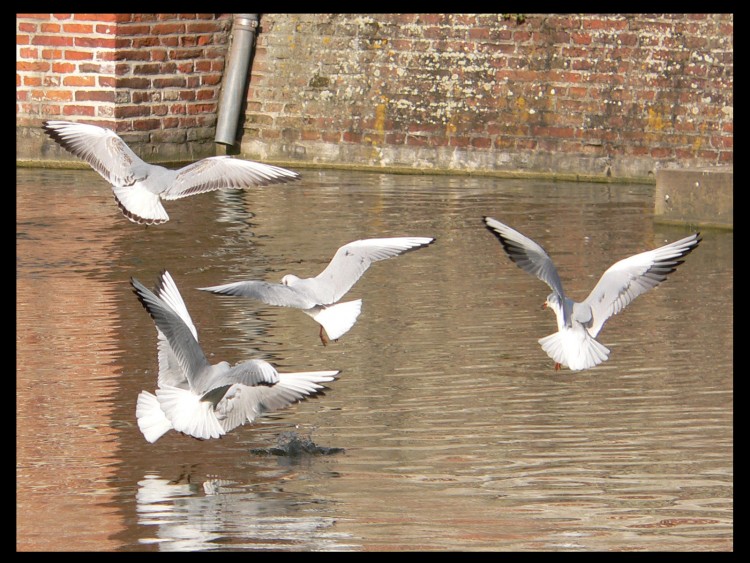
[{"x": 457, "y": 433}]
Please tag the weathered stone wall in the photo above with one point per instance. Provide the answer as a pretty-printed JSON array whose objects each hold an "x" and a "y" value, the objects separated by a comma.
[
  {"x": 568, "y": 95},
  {"x": 601, "y": 94}
]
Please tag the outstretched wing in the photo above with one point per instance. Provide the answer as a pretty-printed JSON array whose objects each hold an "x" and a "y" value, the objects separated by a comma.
[
  {"x": 178, "y": 334},
  {"x": 527, "y": 254},
  {"x": 170, "y": 372},
  {"x": 101, "y": 148},
  {"x": 627, "y": 279},
  {"x": 224, "y": 172},
  {"x": 244, "y": 403},
  {"x": 270, "y": 293},
  {"x": 353, "y": 259}
]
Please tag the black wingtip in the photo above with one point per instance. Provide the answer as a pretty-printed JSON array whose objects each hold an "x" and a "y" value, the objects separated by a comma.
[{"x": 52, "y": 132}]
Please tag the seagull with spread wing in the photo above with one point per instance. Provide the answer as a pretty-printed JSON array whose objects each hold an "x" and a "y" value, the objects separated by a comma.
[
  {"x": 201, "y": 399},
  {"x": 139, "y": 187},
  {"x": 574, "y": 345},
  {"x": 319, "y": 296}
]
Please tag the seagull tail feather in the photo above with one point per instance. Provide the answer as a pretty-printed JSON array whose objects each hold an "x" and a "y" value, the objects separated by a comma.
[
  {"x": 575, "y": 349},
  {"x": 151, "y": 419},
  {"x": 339, "y": 318}
]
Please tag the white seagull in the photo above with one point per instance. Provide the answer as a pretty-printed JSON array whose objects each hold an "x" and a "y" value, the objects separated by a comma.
[
  {"x": 138, "y": 186},
  {"x": 200, "y": 399},
  {"x": 318, "y": 296},
  {"x": 574, "y": 345}
]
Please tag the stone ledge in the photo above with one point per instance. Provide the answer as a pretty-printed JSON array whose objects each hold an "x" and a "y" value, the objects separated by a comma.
[{"x": 698, "y": 196}]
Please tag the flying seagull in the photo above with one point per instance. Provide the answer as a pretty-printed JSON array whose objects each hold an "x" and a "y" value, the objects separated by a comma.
[
  {"x": 574, "y": 345},
  {"x": 139, "y": 186},
  {"x": 200, "y": 399},
  {"x": 319, "y": 296}
]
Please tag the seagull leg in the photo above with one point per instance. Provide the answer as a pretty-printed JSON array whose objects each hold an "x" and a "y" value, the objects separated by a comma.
[
  {"x": 558, "y": 367},
  {"x": 323, "y": 337}
]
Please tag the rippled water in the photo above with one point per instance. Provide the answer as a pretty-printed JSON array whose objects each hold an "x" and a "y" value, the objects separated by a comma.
[{"x": 449, "y": 428}]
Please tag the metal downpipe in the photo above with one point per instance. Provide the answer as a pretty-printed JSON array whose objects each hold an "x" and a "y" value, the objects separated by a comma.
[{"x": 235, "y": 77}]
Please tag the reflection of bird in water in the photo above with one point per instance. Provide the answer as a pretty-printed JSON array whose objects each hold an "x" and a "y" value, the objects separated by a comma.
[
  {"x": 204, "y": 400},
  {"x": 319, "y": 296},
  {"x": 219, "y": 514},
  {"x": 574, "y": 344},
  {"x": 139, "y": 186}
]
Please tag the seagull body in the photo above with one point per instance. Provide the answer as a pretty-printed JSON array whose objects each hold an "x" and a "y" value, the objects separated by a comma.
[
  {"x": 139, "y": 187},
  {"x": 200, "y": 399},
  {"x": 319, "y": 296},
  {"x": 574, "y": 345}
]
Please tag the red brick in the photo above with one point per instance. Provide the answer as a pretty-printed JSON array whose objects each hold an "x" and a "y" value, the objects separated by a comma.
[
  {"x": 97, "y": 17},
  {"x": 708, "y": 155},
  {"x": 331, "y": 136},
  {"x": 105, "y": 29},
  {"x": 131, "y": 111},
  {"x": 53, "y": 95},
  {"x": 52, "y": 40},
  {"x": 29, "y": 66},
  {"x": 78, "y": 28},
  {"x": 481, "y": 142},
  {"x": 351, "y": 137},
  {"x": 661, "y": 152},
  {"x": 31, "y": 53},
  {"x": 581, "y": 38},
  {"x": 95, "y": 96},
  {"x": 270, "y": 134},
  {"x": 206, "y": 95},
  {"x": 726, "y": 157},
  {"x": 87, "y": 111},
  {"x": 201, "y": 108},
  {"x": 455, "y": 141},
  {"x": 526, "y": 144},
  {"x": 79, "y": 81},
  {"x": 142, "y": 55},
  {"x": 63, "y": 68},
  {"x": 133, "y": 83}
]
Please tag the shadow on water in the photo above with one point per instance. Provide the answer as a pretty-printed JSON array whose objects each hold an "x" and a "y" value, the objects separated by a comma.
[{"x": 448, "y": 428}]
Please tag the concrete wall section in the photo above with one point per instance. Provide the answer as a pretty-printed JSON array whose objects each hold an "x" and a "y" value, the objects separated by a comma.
[{"x": 700, "y": 196}]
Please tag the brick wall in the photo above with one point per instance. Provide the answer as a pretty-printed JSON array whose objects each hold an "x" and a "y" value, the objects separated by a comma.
[
  {"x": 154, "y": 78},
  {"x": 586, "y": 95},
  {"x": 605, "y": 95}
]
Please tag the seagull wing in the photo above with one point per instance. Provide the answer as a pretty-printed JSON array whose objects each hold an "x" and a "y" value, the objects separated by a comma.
[
  {"x": 627, "y": 279},
  {"x": 178, "y": 334},
  {"x": 224, "y": 172},
  {"x": 353, "y": 259},
  {"x": 170, "y": 372},
  {"x": 270, "y": 293},
  {"x": 101, "y": 148},
  {"x": 527, "y": 254},
  {"x": 257, "y": 394}
]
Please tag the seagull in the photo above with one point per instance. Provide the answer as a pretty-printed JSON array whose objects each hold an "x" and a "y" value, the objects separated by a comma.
[
  {"x": 203, "y": 400},
  {"x": 574, "y": 345},
  {"x": 138, "y": 186},
  {"x": 318, "y": 296}
]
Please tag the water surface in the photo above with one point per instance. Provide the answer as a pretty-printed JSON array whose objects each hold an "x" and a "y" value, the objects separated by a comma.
[{"x": 449, "y": 428}]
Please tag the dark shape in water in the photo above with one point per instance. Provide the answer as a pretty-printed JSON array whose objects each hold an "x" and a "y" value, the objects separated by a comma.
[{"x": 291, "y": 444}]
